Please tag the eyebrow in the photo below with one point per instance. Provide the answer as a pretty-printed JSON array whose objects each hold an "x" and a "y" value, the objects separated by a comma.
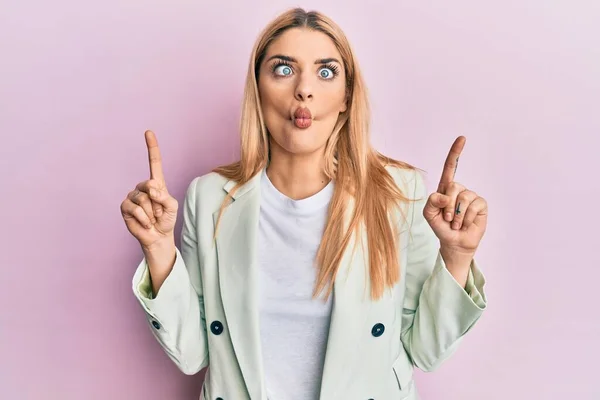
[{"x": 292, "y": 59}]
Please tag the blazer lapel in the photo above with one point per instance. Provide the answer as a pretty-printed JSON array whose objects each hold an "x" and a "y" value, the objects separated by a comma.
[{"x": 236, "y": 253}]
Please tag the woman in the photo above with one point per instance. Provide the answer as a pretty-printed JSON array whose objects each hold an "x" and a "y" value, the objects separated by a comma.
[{"x": 314, "y": 267}]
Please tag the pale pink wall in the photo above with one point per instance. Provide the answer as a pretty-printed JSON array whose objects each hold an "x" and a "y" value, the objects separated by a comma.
[{"x": 81, "y": 81}]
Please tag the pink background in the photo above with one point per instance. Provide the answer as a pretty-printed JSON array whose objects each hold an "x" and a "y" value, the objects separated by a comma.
[{"x": 81, "y": 81}]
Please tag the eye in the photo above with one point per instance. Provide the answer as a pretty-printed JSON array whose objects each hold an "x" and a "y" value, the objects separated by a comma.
[
  {"x": 282, "y": 70},
  {"x": 329, "y": 72},
  {"x": 326, "y": 73}
]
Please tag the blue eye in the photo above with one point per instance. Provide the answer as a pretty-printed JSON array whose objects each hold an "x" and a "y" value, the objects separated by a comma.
[
  {"x": 286, "y": 70},
  {"x": 326, "y": 73},
  {"x": 329, "y": 71}
]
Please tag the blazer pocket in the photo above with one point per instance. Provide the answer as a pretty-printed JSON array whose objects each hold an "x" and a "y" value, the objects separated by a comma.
[{"x": 403, "y": 369}]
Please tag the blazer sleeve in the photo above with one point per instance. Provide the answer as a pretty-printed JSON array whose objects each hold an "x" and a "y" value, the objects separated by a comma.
[
  {"x": 176, "y": 315},
  {"x": 437, "y": 310}
]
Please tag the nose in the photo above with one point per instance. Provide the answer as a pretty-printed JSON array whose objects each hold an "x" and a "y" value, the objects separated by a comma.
[{"x": 304, "y": 89}]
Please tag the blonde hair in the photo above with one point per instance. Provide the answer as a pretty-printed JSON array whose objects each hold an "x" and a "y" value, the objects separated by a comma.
[{"x": 358, "y": 169}]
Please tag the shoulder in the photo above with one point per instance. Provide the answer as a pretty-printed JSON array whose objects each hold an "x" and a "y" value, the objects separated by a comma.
[
  {"x": 211, "y": 182},
  {"x": 206, "y": 191},
  {"x": 410, "y": 180}
]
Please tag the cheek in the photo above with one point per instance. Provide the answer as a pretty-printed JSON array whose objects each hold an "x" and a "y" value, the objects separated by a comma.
[
  {"x": 274, "y": 112},
  {"x": 334, "y": 98},
  {"x": 272, "y": 97}
]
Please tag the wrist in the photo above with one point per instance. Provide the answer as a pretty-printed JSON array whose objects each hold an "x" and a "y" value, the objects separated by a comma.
[
  {"x": 456, "y": 258},
  {"x": 458, "y": 263},
  {"x": 160, "y": 246},
  {"x": 161, "y": 255}
]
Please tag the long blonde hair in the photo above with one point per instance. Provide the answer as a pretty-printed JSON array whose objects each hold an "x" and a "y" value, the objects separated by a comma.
[{"x": 358, "y": 169}]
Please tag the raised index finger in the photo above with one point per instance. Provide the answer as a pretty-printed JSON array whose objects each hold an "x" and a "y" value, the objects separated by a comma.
[
  {"x": 156, "y": 171},
  {"x": 451, "y": 163}
]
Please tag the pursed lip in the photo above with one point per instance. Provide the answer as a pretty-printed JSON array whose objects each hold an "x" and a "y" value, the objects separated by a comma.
[{"x": 302, "y": 113}]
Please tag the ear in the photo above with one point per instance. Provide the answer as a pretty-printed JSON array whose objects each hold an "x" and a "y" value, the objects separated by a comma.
[{"x": 344, "y": 106}]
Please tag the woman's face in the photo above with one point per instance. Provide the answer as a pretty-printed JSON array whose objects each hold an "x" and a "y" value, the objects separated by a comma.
[{"x": 301, "y": 74}]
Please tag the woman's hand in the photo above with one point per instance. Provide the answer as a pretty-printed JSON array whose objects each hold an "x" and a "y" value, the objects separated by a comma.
[
  {"x": 149, "y": 211},
  {"x": 457, "y": 216}
]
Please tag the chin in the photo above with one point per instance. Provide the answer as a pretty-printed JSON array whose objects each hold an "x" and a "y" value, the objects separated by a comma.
[
  {"x": 302, "y": 150},
  {"x": 298, "y": 142}
]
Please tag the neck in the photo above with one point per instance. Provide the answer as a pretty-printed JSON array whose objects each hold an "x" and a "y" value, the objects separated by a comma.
[{"x": 297, "y": 177}]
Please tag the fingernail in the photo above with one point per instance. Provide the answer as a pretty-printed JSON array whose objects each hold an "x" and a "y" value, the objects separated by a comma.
[
  {"x": 448, "y": 216},
  {"x": 153, "y": 193},
  {"x": 455, "y": 225}
]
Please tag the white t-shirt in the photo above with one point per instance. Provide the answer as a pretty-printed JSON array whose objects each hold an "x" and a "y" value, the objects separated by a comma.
[{"x": 293, "y": 326}]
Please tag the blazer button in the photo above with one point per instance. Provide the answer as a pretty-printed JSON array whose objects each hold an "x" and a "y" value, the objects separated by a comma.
[
  {"x": 155, "y": 324},
  {"x": 217, "y": 328},
  {"x": 377, "y": 330}
]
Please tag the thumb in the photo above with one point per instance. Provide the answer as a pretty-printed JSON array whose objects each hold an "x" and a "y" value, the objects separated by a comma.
[{"x": 435, "y": 203}]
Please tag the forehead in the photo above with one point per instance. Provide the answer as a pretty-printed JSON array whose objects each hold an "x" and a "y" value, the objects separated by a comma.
[{"x": 304, "y": 44}]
